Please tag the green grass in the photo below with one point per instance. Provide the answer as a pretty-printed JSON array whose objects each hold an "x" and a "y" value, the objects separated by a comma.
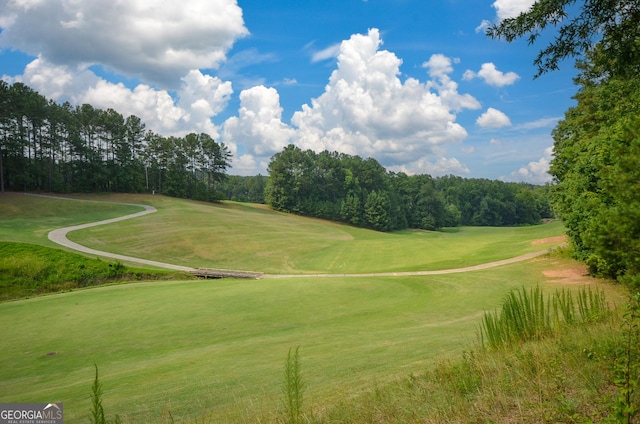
[
  {"x": 213, "y": 350},
  {"x": 28, "y": 219},
  {"x": 29, "y": 270},
  {"x": 564, "y": 379},
  {"x": 254, "y": 238},
  {"x": 217, "y": 347},
  {"x": 529, "y": 315}
]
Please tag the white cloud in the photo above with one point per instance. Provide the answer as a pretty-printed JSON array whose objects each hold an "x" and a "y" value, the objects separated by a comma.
[
  {"x": 442, "y": 166},
  {"x": 200, "y": 96},
  {"x": 511, "y": 8},
  {"x": 159, "y": 42},
  {"x": 483, "y": 26},
  {"x": 535, "y": 172},
  {"x": 540, "y": 123},
  {"x": 492, "y": 76},
  {"x": 367, "y": 110},
  {"x": 493, "y": 118},
  {"x": 258, "y": 126},
  {"x": 439, "y": 65},
  {"x": 330, "y": 52}
]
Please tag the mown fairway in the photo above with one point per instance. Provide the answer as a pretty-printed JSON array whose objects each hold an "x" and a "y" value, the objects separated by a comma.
[
  {"x": 218, "y": 347},
  {"x": 254, "y": 238}
]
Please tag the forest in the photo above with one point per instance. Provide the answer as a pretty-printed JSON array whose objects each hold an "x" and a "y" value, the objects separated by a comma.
[
  {"x": 596, "y": 163},
  {"x": 46, "y": 146},
  {"x": 361, "y": 192}
]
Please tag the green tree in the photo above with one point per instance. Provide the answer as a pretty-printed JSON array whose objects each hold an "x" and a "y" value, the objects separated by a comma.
[
  {"x": 611, "y": 27},
  {"x": 376, "y": 211},
  {"x": 595, "y": 166}
]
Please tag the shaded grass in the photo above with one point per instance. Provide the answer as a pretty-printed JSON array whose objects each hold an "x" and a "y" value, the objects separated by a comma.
[{"x": 29, "y": 270}]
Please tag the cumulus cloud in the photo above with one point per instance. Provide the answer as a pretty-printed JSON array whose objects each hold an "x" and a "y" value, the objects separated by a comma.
[
  {"x": 200, "y": 96},
  {"x": 439, "y": 65},
  {"x": 492, "y": 76},
  {"x": 493, "y": 118},
  {"x": 367, "y": 110},
  {"x": 442, "y": 166},
  {"x": 258, "y": 126},
  {"x": 160, "y": 42},
  {"x": 535, "y": 172},
  {"x": 511, "y": 8}
]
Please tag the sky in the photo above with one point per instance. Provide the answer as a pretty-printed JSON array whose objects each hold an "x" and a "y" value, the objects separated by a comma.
[{"x": 416, "y": 85}]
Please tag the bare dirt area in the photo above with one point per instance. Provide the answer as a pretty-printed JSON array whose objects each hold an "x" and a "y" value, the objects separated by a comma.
[
  {"x": 576, "y": 274},
  {"x": 557, "y": 239}
]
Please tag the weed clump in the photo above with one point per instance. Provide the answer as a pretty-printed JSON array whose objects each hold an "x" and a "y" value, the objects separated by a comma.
[{"x": 528, "y": 315}]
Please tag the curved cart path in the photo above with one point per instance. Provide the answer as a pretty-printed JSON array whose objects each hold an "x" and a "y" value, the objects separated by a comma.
[
  {"x": 59, "y": 236},
  {"x": 434, "y": 272}
]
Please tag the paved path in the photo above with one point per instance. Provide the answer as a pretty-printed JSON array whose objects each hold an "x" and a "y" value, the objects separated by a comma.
[
  {"x": 59, "y": 236},
  {"x": 407, "y": 273}
]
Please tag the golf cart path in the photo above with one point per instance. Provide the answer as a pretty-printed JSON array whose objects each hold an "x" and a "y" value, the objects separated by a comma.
[{"x": 59, "y": 236}]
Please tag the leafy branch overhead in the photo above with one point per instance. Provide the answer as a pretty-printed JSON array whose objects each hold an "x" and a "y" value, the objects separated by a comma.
[{"x": 611, "y": 27}]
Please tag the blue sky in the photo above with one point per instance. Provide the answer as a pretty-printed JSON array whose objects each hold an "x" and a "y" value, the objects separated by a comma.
[{"x": 416, "y": 85}]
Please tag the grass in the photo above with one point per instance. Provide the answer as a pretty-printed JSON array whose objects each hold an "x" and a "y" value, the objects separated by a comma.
[
  {"x": 564, "y": 379},
  {"x": 212, "y": 351},
  {"x": 216, "y": 347},
  {"x": 253, "y": 238},
  {"x": 28, "y": 270},
  {"x": 28, "y": 219},
  {"x": 528, "y": 315}
]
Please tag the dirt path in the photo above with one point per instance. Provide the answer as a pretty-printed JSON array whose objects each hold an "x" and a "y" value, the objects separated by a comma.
[{"x": 59, "y": 236}]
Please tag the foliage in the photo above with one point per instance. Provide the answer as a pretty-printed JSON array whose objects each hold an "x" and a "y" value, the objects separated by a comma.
[
  {"x": 597, "y": 193},
  {"x": 610, "y": 27},
  {"x": 28, "y": 270},
  {"x": 45, "y": 146},
  {"x": 97, "y": 410},
  {"x": 361, "y": 192},
  {"x": 595, "y": 166},
  {"x": 528, "y": 316},
  {"x": 243, "y": 189},
  {"x": 627, "y": 364},
  {"x": 293, "y": 388}
]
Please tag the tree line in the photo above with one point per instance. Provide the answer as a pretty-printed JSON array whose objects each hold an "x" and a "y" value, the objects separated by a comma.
[
  {"x": 361, "y": 192},
  {"x": 46, "y": 146},
  {"x": 596, "y": 164}
]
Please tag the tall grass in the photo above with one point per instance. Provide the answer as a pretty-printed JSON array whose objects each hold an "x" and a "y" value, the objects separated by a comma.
[
  {"x": 293, "y": 387},
  {"x": 527, "y": 315}
]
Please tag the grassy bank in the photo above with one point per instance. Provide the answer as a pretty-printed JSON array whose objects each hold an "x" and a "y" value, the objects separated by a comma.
[
  {"x": 573, "y": 377},
  {"x": 29, "y": 270}
]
